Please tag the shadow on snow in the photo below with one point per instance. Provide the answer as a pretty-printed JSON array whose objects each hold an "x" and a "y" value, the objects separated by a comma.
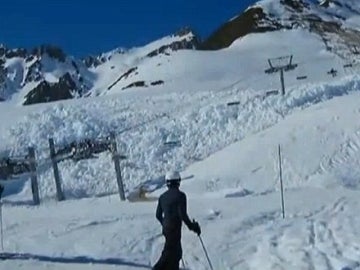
[{"x": 74, "y": 260}]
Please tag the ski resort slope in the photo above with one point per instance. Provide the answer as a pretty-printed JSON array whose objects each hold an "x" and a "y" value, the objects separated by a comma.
[
  {"x": 234, "y": 195},
  {"x": 227, "y": 155},
  {"x": 244, "y": 61},
  {"x": 192, "y": 110}
]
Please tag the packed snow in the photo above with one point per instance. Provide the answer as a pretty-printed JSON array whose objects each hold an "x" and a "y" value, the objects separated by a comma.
[{"x": 227, "y": 155}]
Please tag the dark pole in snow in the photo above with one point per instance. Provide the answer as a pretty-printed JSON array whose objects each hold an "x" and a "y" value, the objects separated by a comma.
[
  {"x": 33, "y": 176},
  {"x": 282, "y": 81},
  {"x": 281, "y": 185},
  {"x": 2, "y": 230},
  {"x": 205, "y": 251},
  {"x": 59, "y": 191},
  {"x": 116, "y": 157},
  {"x": 1, "y": 223}
]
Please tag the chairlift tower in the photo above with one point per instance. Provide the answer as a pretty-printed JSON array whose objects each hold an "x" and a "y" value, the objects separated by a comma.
[{"x": 281, "y": 64}]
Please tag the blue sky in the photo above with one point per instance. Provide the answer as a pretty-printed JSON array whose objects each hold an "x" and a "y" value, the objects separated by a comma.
[{"x": 89, "y": 27}]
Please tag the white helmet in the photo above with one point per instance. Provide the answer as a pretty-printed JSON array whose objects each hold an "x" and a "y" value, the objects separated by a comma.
[{"x": 172, "y": 176}]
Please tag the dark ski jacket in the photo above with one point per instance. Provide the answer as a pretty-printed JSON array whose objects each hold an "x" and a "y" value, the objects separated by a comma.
[{"x": 171, "y": 209}]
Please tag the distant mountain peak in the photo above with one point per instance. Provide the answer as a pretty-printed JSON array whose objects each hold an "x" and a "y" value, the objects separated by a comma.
[
  {"x": 184, "y": 31},
  {"x": 39, "y": 71},
  {"x": 51, "y": 50},
  {"x": 46, "y": 73},
  {"x": 325, "y": 18}
]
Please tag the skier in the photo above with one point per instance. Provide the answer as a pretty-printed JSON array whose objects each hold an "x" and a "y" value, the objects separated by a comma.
[{"x": 170, "y": 212}]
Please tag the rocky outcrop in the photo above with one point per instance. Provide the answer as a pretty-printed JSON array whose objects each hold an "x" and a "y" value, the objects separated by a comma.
[
  {"x": 93, "y": 61},
  {"x": 175, "y": 46},
  {"x": 16, "y": 53},
  {"x": 3, "y": 73},
  {"x": 56, "y": 75},
  {"x": 46, "y": 92},
  {"x": 253, "y": 20},
  {"x": 135, "y": 84},
  {"x": 51, "y": 50},
  {"x": 34, "y": 73},
  {"x": 143, "y": 84},
  {"x": 157, "y": 82},
  {"x": 189, "y": 42},
  {"x": 123, "y": 76},
  {"x": 2, "y": 50},
  {"x": 296, "y": 5},
  {"x": 325, "y": 19}
]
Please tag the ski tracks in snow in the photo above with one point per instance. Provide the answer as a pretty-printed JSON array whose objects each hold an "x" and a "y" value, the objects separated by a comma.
[
  {"x": 344, "y": 163},
  {"x": 325, "y": 239}
]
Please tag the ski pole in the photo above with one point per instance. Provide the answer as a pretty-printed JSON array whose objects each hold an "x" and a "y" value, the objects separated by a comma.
[
  {"x": 1, "y": 218},
  {"x": 206, "y": 254},
  {"x": 1, "y": 225}
]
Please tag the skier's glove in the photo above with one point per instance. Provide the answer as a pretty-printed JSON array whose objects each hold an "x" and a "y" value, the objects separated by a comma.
[{"x": 195, "y": 227}]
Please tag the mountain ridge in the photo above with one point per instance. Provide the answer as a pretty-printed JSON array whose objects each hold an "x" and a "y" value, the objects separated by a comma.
[{"x": 46, "y": 73}]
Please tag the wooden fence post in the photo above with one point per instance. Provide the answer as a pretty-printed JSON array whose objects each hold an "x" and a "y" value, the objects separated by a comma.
[
  {"x": 281, "y": 184},
  {"x": 33, "y": 176},
  {"x": 116, "y": 157},
  {"x": 59, "y": 192}
]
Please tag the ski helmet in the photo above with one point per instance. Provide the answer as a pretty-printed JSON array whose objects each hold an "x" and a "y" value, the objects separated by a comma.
[{"x": 172, "y": 176}]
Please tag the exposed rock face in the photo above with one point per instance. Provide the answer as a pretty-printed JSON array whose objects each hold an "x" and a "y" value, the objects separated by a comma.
[
  {"x": 34, "y": 73},
  {"x": 123, "y": 76},
  {"x": 46, "y": 72},
  {"x": 136, "y": 84},
  {"x": 52, "y": 51},
  {"x": 92, "y": 61},
  {"x": 254, "y": 20},
  {"x": 298, "y": 6},
  {"x": 327, "y": 19},
  {"x": 157, "y": 82},
  {"x": 3, "y": 75},
  {"x": 175, "y": 46},
  {"x": 15, "y": 53},
  {"x": 46, "y": 92},
  {"x": 188, "y": 40}
]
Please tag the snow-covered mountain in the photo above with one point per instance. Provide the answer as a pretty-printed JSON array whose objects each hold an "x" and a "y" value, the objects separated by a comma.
[
  {"x": 336, "y": 22},
  {"x": 41, "y": 75},
  {"x": 48, "y": 74}
]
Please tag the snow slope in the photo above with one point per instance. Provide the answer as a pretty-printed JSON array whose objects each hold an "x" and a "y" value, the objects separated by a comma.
[
  {"x": 189, "y": 70},
  {"x": 242, "y": 230},
  {"x": 228, "y": 159}
]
